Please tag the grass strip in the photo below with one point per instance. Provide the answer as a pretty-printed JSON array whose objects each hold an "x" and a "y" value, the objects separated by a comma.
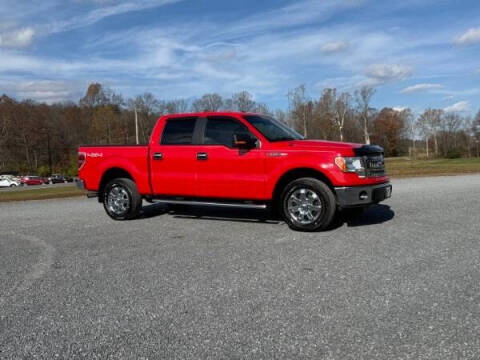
[
  {"x": 402, "y": 167},
  {"x": 40, "y": 193}
]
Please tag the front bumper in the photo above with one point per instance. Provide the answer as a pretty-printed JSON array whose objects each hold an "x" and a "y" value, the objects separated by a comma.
[{"x": 351, "y": 196}]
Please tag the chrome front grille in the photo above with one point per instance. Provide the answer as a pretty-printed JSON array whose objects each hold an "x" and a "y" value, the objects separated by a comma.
[{"x": 374, "y": 165}]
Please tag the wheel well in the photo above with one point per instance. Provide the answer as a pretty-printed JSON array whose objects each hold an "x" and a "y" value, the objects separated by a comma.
[
  {"x": 109, "y": 175},
  {"x": 296, "y": 174}
]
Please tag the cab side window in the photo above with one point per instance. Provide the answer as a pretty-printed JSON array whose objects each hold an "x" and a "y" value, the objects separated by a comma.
[
  {"x": 220, "y": 131},
  {"x": 178, "y": 131}
]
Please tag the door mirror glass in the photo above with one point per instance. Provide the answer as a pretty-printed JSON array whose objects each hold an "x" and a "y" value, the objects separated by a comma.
[{"x": 244, "y": 141}]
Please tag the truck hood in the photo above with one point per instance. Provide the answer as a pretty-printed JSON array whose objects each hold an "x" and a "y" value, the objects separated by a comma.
[{"x": 322, "y": 145}]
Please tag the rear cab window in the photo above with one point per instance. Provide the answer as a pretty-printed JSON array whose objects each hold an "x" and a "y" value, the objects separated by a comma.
[{"x": 179, "y": 131}]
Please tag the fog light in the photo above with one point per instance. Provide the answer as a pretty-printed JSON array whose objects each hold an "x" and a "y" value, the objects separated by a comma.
[{"x": 363, "y": 195}]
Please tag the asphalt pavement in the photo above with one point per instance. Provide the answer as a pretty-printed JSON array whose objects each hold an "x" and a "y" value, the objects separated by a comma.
[{"x": 401, "y": 281}]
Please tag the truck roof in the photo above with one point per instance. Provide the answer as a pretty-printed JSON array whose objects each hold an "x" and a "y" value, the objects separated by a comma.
[{"x": 211, "y": 113}]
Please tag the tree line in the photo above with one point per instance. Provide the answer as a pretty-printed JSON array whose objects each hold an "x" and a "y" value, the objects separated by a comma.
[{"x": 40, "y": 138}]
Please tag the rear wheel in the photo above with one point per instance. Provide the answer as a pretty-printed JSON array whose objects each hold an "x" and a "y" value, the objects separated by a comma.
[
  {"x": 121, "y": 199},
  {"x": 308, "y": 204}
]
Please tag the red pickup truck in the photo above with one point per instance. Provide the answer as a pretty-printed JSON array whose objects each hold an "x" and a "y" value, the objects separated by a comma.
[{"x": 235, "y": 159}]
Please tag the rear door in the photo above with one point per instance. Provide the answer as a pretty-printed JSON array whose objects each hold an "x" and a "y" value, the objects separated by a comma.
[
  {"x": 173, "y": 162},
  {"x": 224, "y": 171}
]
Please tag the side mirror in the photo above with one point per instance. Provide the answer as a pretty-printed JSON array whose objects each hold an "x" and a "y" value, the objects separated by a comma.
[{"x": 244, "y": 141}]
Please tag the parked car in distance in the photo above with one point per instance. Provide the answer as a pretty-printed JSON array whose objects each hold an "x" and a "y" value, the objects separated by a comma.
[
  {"x": 9, "y": 181},
  {"x": 58, "y": 178},
  {"x": 233, "y": 159},
  {"x": 32, "y": 180}
]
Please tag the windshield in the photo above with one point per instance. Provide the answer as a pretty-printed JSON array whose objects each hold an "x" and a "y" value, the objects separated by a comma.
[{"x": 272, "y": 129}]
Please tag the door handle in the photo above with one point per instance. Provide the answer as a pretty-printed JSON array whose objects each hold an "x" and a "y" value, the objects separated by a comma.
[
  {"x": 157, "y": 156},
  {"x": 202, "y": 156}
]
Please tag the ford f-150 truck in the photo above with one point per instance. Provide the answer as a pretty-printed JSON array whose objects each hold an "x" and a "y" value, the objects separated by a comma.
[{"x": 235, "y": 159}]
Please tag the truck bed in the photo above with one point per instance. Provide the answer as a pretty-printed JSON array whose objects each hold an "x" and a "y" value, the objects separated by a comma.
[{"x": 131, "y": 158}]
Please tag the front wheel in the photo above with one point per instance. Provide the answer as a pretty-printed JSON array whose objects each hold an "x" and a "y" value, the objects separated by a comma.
[
  {"x": 308, "y": 204},
  {"x": 121, "y": 199}
]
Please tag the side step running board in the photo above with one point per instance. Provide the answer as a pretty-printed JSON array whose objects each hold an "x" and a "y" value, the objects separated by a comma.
[{"x": 212, "y": 203}]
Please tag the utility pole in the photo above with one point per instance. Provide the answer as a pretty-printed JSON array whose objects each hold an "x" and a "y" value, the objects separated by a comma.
[{"x": 136, "y": 125}]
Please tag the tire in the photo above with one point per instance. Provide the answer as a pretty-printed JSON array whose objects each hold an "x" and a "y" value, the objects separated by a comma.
[
  {"x": 121, "y": 199},
  {"x": 308, "y": 204},
  {"x": 13, "y": 185}
]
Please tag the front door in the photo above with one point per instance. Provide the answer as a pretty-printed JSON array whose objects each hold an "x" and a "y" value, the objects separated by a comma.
[{"x": 224, "y": 171}]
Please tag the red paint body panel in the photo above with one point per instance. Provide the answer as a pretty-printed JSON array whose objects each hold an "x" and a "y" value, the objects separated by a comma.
[
  {"x": 231, "y": 173},
  {"x": 175, "y": 174},
  {"x": 228, "y": 173},
  {"x": 100, "y": 159}
]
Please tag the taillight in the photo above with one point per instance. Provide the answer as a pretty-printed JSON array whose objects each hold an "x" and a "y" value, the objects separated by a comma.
[{"x": 81, "y": 160}]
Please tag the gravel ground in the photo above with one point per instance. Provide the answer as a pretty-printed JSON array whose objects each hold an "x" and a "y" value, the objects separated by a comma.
[{"x": 401, "y": 281}]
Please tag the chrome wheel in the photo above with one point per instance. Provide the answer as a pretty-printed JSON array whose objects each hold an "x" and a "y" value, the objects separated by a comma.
[
  {"x": 118, "y": 200},
  {"x": 304, "y": 206}
]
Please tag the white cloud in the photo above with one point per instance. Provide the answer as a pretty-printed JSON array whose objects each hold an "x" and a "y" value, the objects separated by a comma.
[
  {"x": 461, "y": 106},
  {"x": 45, "y": 90},
  {"x": 300, "y": 13},
  {"x": 471, "y": 36},
  {"x": 421, "y": 87},
  {"x": 103, "y": 12},
  {"x": 384, "y": 73},
  {"x": 399, "y": 108},
  {"x": 334, "y": 47},
  {"x": 17, "y": 38}
]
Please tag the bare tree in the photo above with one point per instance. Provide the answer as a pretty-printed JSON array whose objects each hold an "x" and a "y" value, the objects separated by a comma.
[
  {"x": 147, "y": 107},
  {"x": 281, "y": 116},
  {"x": 431, "y": 119},
  {"x": 262, "y": 109},
  {"x": 342, "y": 107},
  {"x": 425, "y": 131},
  {"x": 475, "y": 130},
  {"x": 363, "y": 98},
  {"x": 176, "y": 106},
  {"x": 450, "y": 129},
  {"x": 410, "y": 130},
  {"x": 208, "y": 102},
  {"x": 300, "y": 107},
  {"x": 429, "y": 122},
  {"x": 323, "y": 123},
  {"x": 243, "y": 101}
]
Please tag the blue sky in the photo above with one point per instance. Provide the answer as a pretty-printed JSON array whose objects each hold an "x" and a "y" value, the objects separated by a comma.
[{"x": 417, "y": 53}]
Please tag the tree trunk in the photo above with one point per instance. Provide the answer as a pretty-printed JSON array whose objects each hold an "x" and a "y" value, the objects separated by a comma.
[
  {"x": 426, "y": 145},
  {"x": 413, "y": 146},
  {"x": 304, "y": 124},
  {"x": 365, "y": 130},
  {"x": 435, "y": 143}
]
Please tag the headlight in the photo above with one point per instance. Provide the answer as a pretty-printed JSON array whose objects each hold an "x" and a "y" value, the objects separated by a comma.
[{"x": 351, "y": 165}]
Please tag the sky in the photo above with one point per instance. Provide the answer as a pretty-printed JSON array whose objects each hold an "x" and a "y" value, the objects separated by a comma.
[{"x": 416, "y": 53}]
